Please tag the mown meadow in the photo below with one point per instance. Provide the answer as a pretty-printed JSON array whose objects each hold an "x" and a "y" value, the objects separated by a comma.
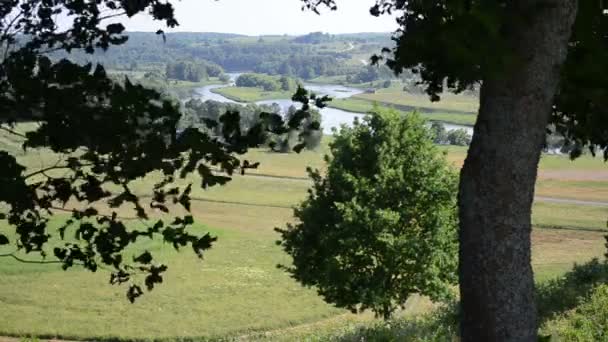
[{"x": 237, "y": 291}]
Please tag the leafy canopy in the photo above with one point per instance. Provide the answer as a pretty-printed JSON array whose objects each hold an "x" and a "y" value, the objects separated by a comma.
[
  {"x": 104, "y": 135},
  {"x": 380, "y": 224},
  {"x": 464, "y": 42}
]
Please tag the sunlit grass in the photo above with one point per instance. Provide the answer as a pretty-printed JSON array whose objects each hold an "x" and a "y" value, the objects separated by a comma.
[
  {"x": 449, "y": 102},
  {"x": 234, "y": 290},
  {"x": 357, "y": 105},
  {"x": 237, "y": 290},
  {"x": 252, "y": 94}
]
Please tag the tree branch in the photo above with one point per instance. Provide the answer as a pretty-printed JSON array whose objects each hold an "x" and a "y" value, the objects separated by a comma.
[
  {"x": 46, "y": 262},
  {"x": 13, "y": 132},
  {"x": 50, "y": 168},
  {"x": 109, "y": 16},
  {"x": 98, "y": 215},
  {"x": 12, "y": 255}
]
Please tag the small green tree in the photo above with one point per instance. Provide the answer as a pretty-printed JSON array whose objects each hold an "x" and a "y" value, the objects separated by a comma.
[
  {"x": 380, "y": 224},
  {"x": 440, "y": 134},
  {"x": 459, "y": 137}
]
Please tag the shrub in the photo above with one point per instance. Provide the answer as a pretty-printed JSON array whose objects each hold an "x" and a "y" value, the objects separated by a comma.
[
  {"x": 559, "y": 295},
  {"x": 589, "y": 321}
]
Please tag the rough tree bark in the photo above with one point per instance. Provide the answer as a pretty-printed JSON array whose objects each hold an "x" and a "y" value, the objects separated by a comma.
[{"x": 498, "y": 177}]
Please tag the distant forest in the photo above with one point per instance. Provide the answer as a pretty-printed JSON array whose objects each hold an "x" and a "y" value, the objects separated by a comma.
[{"x": 306, "y": 57}]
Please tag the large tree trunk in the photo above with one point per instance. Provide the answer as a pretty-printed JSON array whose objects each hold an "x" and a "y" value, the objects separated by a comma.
[{"x": 498, "y": 177}]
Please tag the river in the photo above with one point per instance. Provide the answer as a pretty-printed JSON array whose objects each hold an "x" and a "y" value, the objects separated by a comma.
[{"x": 331, "y": 117}]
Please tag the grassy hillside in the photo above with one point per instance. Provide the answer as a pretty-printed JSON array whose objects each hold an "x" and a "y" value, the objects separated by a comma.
[{"x": 237, "y": 289}]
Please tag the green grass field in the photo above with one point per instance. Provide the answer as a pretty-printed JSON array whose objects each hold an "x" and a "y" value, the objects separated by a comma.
[
  {"x": 237, "y": 291},
  {"x": 251, "y": 94},
  {"x": 364, "y": 106},
  {"x": 449, "y": 102}
]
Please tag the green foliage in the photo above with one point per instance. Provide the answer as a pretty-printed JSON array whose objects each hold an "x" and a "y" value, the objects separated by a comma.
[
  {"x": 463, "y": 42},
  {"x": 105, "y": 135},
  {"x": 287, "y": 83},
  {"x": 380, "y": 224},
  {"x": 557, "y": 296},
  {"x": 589, "y": 321},
  {"x": 193, "y": 71},
  {"x": 266, "y": 82},
  {"x": 580, "y": 112},
  {"x": 371, "y": 73},
  {"x": 273, "y": 56},
  {"x": 440, "y": 134},
  {"x": 199, "y": 113},
  {"x": 224, "y": 78},
  {"x": 459, "y": 137}
]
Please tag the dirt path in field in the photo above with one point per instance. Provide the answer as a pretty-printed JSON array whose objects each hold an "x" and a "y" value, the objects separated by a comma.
[
  {"x": 574, "y": 175},
  {"x": 570, "y": 201},
  {"x": 562, "y": 175}
]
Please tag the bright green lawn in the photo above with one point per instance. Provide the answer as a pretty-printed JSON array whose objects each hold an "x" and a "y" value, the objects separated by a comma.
[
  {"x": 251, "y": 94},
  {"x": 546, "y": 214}
]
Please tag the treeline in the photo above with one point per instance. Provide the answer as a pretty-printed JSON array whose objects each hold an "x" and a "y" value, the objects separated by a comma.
[
  {"x": 193, "y": 71},
  {"x": 306, "y": 67},
  {"x": 234, "y": 53},
  {"x": 370, "y": 73},
  {"x": 314, "y": 38},
  {"x": 197, "y": 112},
  {"x": 266, "y": 82},
  {"x": 457, "y": 137}
]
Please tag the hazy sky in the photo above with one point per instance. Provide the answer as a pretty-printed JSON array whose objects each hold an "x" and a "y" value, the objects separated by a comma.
[{"x": 255, "y": 17}]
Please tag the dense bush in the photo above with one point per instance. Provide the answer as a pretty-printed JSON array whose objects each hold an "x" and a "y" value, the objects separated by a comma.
[
  {"x": 559, "y": 295},
  {"x": 380, "y": 223},
  {"x": 589, "y": 321}
]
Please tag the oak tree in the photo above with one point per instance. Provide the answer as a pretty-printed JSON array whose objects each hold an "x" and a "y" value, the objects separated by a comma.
[{"x": 537, "y": 62}]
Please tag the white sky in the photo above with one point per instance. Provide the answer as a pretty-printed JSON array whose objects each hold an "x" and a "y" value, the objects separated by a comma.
[{"x": 257, "y": 17}]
